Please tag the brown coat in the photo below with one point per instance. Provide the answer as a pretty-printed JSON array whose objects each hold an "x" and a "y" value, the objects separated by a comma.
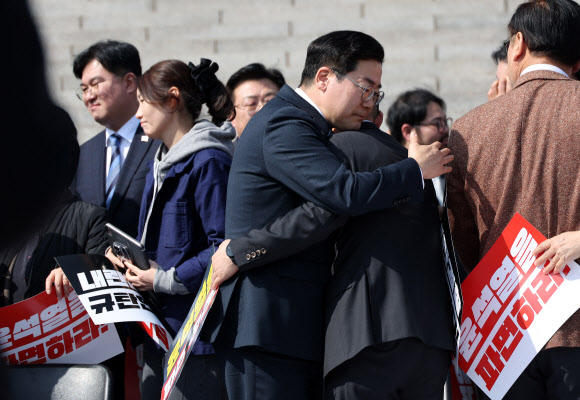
[{"x": 518, "y": 153}]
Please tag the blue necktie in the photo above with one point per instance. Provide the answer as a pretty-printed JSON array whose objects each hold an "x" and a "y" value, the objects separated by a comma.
[{"x": 115, "y": 166}]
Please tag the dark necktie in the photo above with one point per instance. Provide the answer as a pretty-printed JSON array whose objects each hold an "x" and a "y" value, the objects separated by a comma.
[{"x": 114, "y": 167}]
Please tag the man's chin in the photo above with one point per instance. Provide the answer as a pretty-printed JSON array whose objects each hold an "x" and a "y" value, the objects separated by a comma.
[{"x": 99, "y": 119}]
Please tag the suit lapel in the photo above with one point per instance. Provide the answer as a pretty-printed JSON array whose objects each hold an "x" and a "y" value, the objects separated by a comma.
[{"x": 135, "y": 156}]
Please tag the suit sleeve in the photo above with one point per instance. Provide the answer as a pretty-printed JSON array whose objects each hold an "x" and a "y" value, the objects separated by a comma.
[
  {"x": 97, "y": 241},
  {"x": 465, "y": 233},
  {"x": 210, "y": 204},
  {"x": 299, "y": 229},
  {"x": 296, "y": 154}
]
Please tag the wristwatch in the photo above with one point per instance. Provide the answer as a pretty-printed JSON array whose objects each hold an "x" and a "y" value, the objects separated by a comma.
[{"x": 230, "y": 253}]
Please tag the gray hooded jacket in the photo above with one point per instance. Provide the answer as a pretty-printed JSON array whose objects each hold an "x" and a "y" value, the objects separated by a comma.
[{"x": 203, "y": 135}]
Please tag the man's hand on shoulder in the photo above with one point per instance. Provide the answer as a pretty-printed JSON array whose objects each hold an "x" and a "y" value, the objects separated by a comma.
[
  {"x": 499, "y": 88},
  {"x": 223, "y": 266},
  {"x": 431, "y": 158}
]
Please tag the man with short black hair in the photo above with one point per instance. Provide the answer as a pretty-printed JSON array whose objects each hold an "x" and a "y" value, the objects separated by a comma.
[
  {"x": 519, "y": 153},
  {"x": 269, "y": 321},
  {"x": 113, "y": 164},
  {"x": 418, "y": 111},
  {"x": 422, "y": 112},
  {"x": 250, "y": 88}
]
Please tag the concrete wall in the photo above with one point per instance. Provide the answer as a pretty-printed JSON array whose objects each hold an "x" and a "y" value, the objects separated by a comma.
[{"x": 442, "y": 45}]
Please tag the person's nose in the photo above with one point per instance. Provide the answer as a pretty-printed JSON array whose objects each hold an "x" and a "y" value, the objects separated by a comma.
[{"x": 90, "y": 95}]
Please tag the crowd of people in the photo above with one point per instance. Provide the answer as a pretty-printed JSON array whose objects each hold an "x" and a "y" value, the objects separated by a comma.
[{"x": 329, "y": 259}]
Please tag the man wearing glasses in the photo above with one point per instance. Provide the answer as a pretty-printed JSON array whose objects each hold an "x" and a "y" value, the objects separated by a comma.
[
  {"x": 420, "y": 111},
  {"x": 113, "y": 165},
  {"x": 250, "y": 88},
  {"x": 269, "y": 319}
]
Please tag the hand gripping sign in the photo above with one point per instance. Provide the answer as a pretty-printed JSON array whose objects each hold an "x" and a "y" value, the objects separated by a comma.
[
  {"x": 43, "y": 329},
  {"x": 511, "y": 309},
  {"x": 188, "y": 333},
  {"x": 108, "y": 297}
]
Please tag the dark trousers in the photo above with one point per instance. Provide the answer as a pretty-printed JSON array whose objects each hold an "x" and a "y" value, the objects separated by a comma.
[
  {"x": 401, "y": 369},
  {"x": 253, "y": 374},
  {"x": 553, "y": 374}
]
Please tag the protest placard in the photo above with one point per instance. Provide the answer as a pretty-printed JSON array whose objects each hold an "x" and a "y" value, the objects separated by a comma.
[
  {"x": 511, "y": 309},
  {"x": 108, "y": 297},
  {"x": 43, "y": 329},
  {"x": 187, "y": 335}
]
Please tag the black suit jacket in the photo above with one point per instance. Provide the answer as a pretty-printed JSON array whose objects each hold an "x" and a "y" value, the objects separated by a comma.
[
  {"x": 89, "y": 183},
  {"x": 388, "y": 280},
  {"x": 388, "y": 277},
  {"x": 283, "y": 159}
]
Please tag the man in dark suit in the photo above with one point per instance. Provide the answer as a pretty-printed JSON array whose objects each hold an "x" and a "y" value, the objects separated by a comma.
[
  {"x": 519, "y": 153},
  {"x": 388, "y": 315},
  {"x": 269, "y": 322},
  {"x": 113, "y": 164},
  {"x": 389, "y": 331}
]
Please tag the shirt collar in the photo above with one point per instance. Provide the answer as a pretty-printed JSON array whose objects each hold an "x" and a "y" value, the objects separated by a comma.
[
  {"x": 127, "y": 131},
  {"x": 303, "y": 94},
  {"x": 544, "y": 67}
]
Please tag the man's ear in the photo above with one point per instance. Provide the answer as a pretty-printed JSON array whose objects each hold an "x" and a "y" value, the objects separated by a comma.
[
  {"x": 322, "y": 78},
  {"x": 130, "y": 81},
  {"x": 406, "y": 130},
  {"x": 519, "y": 47},
  {"x": 379, "y": 119}
]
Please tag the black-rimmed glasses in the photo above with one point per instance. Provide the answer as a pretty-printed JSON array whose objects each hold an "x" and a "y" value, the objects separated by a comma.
[
  {"x": 506, "y": 44},
  {"x": 439, "y": 123}
]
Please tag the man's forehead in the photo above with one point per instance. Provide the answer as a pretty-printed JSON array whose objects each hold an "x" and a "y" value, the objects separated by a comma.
[
  {"x": 258, "y": 83},
  {"x": 434, "y": 110},
  {"x": 254, "y": 88},
  {"x": 94, "y": 69}
]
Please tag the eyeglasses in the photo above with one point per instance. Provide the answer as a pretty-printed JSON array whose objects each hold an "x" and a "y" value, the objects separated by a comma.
[
  {"x": 92, "y": 88},
  {"x": 84, "y": 91},
  {"x": 252, "y": 104},
  {"x": 506, "y": 43},
  {"x": 368, "y": 91},
  {"x": 441, "y": 124}
]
